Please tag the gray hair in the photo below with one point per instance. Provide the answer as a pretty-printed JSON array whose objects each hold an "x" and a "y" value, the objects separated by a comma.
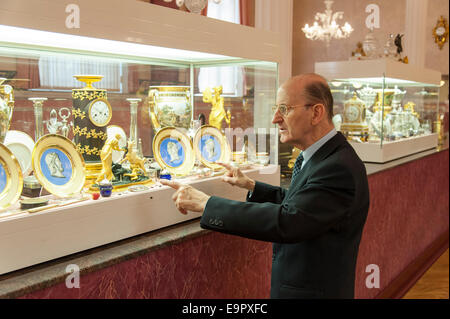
[{"x": 319, "y": 92}]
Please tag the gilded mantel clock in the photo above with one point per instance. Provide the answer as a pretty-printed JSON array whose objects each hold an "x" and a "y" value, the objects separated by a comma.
[
  {"x": 354, "y": 118},
  {"x": 91, "y": 114},
  {"x": 100, "y": 112}
]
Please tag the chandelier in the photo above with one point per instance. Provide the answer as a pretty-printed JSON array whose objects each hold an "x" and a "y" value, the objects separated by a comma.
[
  {"x": 328, "y": 28},
  {"x": 195, "y": 6}
]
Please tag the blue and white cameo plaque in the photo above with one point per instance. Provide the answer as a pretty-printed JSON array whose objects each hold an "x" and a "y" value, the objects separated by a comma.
[
  {"x": 3, "y": 179},
  {"x": 210, "y": 148},
  {"x": 56, "y": 166},
  {"x": 172, "y": 152}
]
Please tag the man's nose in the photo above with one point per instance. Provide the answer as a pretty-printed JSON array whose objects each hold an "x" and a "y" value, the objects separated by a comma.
[{"x": 277, "y": 118}]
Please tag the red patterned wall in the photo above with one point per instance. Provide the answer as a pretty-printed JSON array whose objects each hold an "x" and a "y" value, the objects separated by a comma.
[
  {"x": 210, "y": 266},
  {"x": 409, "y": 209}
]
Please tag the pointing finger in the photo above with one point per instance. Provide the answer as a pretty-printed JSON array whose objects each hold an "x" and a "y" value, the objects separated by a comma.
[
  {"x": 227, "y": 166},
  {"x": 173, "y": 184}
]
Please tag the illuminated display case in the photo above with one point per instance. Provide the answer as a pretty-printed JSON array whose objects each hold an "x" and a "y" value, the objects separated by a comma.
[
  {"x": 169, "y": 89},
  {"x": 387, "y": 109}
]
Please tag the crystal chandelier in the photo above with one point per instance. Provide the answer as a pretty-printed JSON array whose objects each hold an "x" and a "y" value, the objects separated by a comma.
[
  {"x": 328, "y": 28},
  {"x": 195, "y": 6}
]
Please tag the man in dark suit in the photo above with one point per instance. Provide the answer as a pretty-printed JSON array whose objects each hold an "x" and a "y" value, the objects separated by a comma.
[{"x": 316, "y": 224}]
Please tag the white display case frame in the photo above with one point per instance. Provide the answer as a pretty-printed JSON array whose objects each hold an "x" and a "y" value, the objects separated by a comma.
[{"x": 28, "y": 239}]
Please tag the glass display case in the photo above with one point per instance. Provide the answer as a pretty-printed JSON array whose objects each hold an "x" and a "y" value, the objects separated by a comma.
[
  {"x": 386, "y": 109},
  {"x": 85, "y": 113}
]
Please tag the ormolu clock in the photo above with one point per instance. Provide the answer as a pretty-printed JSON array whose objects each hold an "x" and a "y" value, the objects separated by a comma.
[{"x": 100, "y": 112}]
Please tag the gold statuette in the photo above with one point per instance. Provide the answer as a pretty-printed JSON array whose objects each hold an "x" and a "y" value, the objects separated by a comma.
[
  {"x": 6, "y": 108},
  {"x": 136, "y": 163},
  {"x": 217, "y": 114},
  {"x": 106, "y": 157}
]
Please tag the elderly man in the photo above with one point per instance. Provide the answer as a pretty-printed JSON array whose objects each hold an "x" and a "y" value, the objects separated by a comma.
[{"x": 316, "y": 224}]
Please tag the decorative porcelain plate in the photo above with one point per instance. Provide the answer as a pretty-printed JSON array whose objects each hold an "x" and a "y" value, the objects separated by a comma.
[
  {"x": 11, "y": 180},
  {"x": 211, "y": 146},
  {"x": 111, "y": 131},
  {"x": 21, "y": 145},
  {"x": 173, "y": 150},
  {"x": 58, "y": 166}
]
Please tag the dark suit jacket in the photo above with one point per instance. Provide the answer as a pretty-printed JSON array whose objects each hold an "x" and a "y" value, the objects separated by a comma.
[{"x": 315, "y": 226}]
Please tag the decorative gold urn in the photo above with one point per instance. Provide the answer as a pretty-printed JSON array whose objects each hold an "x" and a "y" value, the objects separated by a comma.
[
  {"x": 170, "y": 106},
  {"x": 6, "y": 108},
  {"x": 91, "y": 114},
  {"x": 439, "y": 129},
  {"x": 384, "y": 100}
]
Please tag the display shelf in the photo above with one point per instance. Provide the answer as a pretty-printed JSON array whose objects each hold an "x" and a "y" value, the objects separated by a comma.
[
  {"x": 378, "y": 70},
  {"x": 370, "y": 152},
  {"x": 29, "y": 239}
]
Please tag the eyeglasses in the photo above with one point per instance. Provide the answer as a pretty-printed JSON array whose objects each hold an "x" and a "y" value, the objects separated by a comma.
[{"x": 284, "y": 109}]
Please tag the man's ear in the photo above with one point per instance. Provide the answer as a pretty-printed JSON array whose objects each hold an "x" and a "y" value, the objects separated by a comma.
[{"x": 319, "y": 113}]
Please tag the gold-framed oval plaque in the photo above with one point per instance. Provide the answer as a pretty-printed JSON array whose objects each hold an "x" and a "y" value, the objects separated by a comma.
[
  {"x": 58, "y": 166},
  {"x": 11, "y": 179},
  {"x": 173, "y": 151},
  {"x": 211, "y": 146}
]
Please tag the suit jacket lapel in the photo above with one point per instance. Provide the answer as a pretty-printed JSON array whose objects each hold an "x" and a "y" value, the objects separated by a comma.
[{"x": 323, "y": 152}]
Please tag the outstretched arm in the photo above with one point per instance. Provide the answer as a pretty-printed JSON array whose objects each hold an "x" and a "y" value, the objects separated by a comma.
[{"x": 258, "y": 192}]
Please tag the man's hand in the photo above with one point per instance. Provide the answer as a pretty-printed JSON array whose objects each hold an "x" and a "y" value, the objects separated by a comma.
[
  {"x": 235, "y": 177},
  {"x": 187, "y": 197}
]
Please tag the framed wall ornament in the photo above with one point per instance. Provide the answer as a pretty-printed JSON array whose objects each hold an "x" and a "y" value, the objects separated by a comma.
[
  {"x": 211, "y": 146},
  {"x": 58, "y": 166},
  {"x": 173, "y": 151},
  {"x": 11, "y": 179},
  {"x": 440, "y": 32}
]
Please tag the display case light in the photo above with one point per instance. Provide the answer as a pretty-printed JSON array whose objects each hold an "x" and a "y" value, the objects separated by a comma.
[
  {"x": 379, "y": 81},
  {"x": 38, "y": 38},
  {"x": 336, "y": 83}
]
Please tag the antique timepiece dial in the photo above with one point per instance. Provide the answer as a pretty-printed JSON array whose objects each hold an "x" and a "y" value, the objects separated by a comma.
[
  {"x": 352, "y": 113},
  {"x": 7, "y": 89},
  {"x": 100, "y": 112},
  {"x": 440, "y": 31}
]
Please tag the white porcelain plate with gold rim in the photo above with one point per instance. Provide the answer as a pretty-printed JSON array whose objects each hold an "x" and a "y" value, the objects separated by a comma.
[
  {"x": 11, "y": 179},
  {"x": 173, "y": 150},
  {"x": 21, "y": 145},
  {"x": 58, "y": 166},
  {"x": 111, "y": 131},
  {"x": 211, "y": 146}
]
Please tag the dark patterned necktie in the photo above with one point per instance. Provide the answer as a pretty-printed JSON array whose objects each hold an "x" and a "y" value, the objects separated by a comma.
[{"x": 297, "y": 166}]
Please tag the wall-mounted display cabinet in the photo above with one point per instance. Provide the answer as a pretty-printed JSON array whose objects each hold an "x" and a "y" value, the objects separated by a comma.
[
  {"x": 387, "y": 109},
  {"x": 134, "y": 93}
]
